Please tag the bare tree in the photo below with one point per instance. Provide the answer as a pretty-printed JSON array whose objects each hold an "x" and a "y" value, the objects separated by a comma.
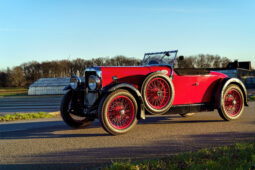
[
  {"x": 29, "y": 72},
  {"x": 188, "y": 62},
  {"x": 203, "y": 61},
  {"x": 3, "y": 79},
  {"x": 17, "y": 77}
]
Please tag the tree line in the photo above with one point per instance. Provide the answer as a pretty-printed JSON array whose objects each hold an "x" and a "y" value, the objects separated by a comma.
[
  {"x": 26, "y": 73},
  {"x": 203, "y": 61}
]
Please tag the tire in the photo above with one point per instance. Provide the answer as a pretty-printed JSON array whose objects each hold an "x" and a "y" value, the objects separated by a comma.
[
  {"x": 158, "y": 93},
  {"x": 232, "y": 103},
  {"x": 187, "y": 114},
  {"x": 114, "y": 118},
  {"x": 70, "y": 119}
]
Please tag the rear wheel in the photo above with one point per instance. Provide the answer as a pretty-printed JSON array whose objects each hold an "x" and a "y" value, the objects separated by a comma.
[
  {"x": 70, "y": 115},
  {"x": 118, "y": 112},
  {"x": 158, "y": 93},
  {"x": 232, "y": 103}
]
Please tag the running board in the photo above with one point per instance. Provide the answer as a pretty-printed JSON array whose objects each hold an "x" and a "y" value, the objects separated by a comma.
[{"x": 190, "y": 108}]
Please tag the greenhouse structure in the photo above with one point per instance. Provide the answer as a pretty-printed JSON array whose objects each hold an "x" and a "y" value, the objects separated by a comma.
[{"x": 48, "y": 86}]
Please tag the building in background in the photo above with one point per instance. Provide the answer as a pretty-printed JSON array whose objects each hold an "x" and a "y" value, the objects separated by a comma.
[
  {"x": 48, "y": 86},
  {"x": 241, "y": 70}
]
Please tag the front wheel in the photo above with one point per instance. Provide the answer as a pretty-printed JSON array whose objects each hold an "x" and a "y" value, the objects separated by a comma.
[
  {"x": 232, "y": 103},
  {"x": 70, "y": 115},
  {"x": 118, "y": 112}
]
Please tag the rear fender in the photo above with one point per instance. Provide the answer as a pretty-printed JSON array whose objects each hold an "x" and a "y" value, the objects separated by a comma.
[
  {"x": 134, "y": 92},
  {"x": 224, "y": 84}
]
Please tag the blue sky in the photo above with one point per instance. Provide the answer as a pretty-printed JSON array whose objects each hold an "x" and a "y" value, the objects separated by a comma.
[{"x": 45, "y": 30}]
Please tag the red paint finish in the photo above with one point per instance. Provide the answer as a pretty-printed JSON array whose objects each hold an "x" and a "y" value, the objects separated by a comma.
[
  {"x": 189, "y": 89},
  {"x": 132, "y": 75}
]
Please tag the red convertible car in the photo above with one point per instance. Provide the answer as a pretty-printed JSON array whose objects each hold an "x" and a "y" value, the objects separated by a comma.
[{"x": 120, "y": 96}]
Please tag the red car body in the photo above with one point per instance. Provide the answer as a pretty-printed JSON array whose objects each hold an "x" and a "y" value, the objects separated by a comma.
[
  {"x": 189, "y": 89},
  {"x": 119, "y": 96}
]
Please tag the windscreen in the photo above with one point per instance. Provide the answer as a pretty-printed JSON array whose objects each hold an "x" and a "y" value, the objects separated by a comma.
[{"x": 161, "y": 58}]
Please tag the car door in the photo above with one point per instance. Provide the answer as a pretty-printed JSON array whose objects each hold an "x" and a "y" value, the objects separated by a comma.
[{"x": 191, "y": 89}]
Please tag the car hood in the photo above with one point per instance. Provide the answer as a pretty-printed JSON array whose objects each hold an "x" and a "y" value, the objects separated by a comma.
[{"x": 129, "y": 74}]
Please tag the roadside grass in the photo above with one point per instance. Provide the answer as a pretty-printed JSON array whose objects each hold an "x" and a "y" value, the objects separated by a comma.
[
  {"x": 13, "y": 92},
  {"x": 251, "y": 98},
  {"x": 26, "y": 116},
  {"x": 237, "y": 156}
]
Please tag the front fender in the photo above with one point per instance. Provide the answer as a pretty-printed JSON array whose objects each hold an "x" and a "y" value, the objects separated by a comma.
[
  {"x": 134, "y": 92},
  {"x": 224, "y": 84}
]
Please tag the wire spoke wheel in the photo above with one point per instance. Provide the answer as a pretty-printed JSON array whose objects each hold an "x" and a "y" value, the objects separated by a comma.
[
  {"x": 233, "y": 102},
  {"x": 70, "y": 115},
  {"x": 158, "y": 93},
  {"x": 121, "y": 112},
  {"x": 118, "y": 112}
]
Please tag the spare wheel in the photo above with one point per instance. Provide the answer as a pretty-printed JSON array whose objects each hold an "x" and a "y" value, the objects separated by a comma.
[{"x": 158, "y": 93}]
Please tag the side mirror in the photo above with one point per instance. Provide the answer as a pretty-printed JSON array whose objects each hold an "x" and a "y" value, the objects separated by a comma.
[{"x": 181, "y": 58}]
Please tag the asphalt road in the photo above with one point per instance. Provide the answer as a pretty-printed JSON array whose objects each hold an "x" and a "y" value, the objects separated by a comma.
[
  {"x": 48, "y": 103},
  {"x": 13, "y": 104},
  {"x": 49, "y": 143}
]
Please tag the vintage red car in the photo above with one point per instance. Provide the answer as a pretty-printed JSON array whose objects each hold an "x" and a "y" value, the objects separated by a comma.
[{"x": 120, "y": 96}]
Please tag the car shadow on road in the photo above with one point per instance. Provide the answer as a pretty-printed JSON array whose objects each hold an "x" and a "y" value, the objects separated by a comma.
[
  {"x": 50, "y": 129},
  {"x": 176, "y": 119},
  {"x": 37, "y": 130}
]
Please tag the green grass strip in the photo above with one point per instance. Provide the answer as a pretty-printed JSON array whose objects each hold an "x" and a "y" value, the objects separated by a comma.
[
  {"x": 238, "y": 156},
  {"x": 251, "y": 98},
  {"x": 25, "y": 116},
  {"x": 13, "y": 92}
]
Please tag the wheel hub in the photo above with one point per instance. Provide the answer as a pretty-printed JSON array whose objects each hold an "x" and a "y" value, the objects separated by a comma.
[
  {"x": 159, "y": 93},
  {"x": 234, "y": 102},
  {"x": 122, "y": 112}
]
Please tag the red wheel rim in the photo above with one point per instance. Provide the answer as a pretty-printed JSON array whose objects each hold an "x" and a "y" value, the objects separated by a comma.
[
  {"x": 158, "y": 93},
  {"x": 121, "y": 112},
  {"x": 233, "y": 102}
]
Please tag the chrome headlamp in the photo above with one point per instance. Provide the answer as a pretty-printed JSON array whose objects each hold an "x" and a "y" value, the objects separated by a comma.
[
  {"x": 93, "y": 82},
  {"x": 75, "y": 81}
]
